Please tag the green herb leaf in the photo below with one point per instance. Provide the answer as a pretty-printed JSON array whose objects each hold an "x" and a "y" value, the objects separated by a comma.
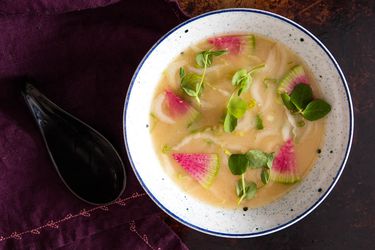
[
  {"x": 265, "y": 175},
  {"x": 201, "y": 59},
  {"x": 230, "y": 123},
  {"x": 256, "y": 68},
  {"x": 190, "y": 84},
  {"x": 242, "y": 80},
  {"x": 239, "y": 76},
  {"x": 316, "y": 110},
  {"x": 182, "y": 72},
  {"x": 257, "y": 159},
  {"x": 288, "y": 104},
  {"x": 218, "y": 52},
  {"x": 301, "y": 96},
  {"x": 193, "y": 84},
  {"x": 300, "y": 123},
  {"x": 245, "y": 193},
  {"x": 237, "y": 107},
  {"x": 258, "y": 123},
  {"x": 238, "y": 163},
  {"x": 270, "y": 157},
  {"x": 166, "y": 149},
  {"x": 204, "y": 58}
]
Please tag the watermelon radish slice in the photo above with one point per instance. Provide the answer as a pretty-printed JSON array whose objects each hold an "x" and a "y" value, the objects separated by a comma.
[
  {"x": 178, "y": 108},
  {"x": 201, "y": 167},
  {"x": 294, "y": 77},
  {"x": 231, "y": 43},
  {"x": 284, "y": 165}
]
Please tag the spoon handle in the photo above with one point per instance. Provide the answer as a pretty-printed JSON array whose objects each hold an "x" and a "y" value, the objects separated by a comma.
[{"x": 37, "y": 104}]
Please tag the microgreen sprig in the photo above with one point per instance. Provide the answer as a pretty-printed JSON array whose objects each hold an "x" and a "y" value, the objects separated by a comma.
[
  {"x": 191, "y": 83},
  {"x": 245, "y": 190},
  {"x": 236, "y": 106},
  {"x": 239, "y": 163},
  {"x": 236, "y": 109},
  {"x": 243, "y": 78},
  {"x": 301, "y": 101}
]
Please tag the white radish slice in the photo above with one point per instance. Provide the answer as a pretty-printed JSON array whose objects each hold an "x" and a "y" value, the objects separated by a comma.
[{"x": 158, "y": 109}]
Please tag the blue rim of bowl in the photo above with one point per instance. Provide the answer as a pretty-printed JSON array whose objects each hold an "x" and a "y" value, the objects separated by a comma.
[{"x": 299, "y": 217}]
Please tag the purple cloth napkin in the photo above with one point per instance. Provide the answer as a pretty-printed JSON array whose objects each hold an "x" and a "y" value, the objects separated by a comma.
[
  {"x": 83, "y": 60},
  {"x": 49, "y": 7}
]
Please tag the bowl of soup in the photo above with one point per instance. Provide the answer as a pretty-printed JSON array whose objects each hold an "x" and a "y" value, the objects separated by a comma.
[{"x": 238, "y": 122}]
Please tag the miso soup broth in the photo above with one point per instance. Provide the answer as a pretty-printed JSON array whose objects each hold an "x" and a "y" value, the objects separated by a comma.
[{"x": 236, "y": 120}]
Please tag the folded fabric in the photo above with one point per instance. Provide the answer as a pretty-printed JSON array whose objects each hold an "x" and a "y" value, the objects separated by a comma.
[
  {"x": 83, "y": 61},
  {"x": 134, "y": 235}
]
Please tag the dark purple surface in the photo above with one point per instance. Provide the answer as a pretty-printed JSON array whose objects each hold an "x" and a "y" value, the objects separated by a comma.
[
  {"x": 83, "y": 60},
  {"x": 48, "y": 7}
]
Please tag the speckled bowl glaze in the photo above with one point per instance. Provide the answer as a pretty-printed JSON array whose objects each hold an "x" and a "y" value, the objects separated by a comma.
[{"x": 305, "y": 196}]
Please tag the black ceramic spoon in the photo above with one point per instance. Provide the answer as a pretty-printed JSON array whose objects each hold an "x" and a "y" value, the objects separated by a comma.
[{"x": 87, "y": 162}]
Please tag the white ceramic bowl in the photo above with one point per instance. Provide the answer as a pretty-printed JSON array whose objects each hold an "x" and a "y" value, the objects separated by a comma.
[{"x": 307, "y": 195}]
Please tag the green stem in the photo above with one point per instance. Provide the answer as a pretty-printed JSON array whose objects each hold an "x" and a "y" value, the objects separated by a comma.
[
  {"x": 233, "y": 94},
  {"x": 212, "y": 87},
  {"x": 243, "y": 182},
  {"x": 257, "y": 68},
  {"x": 198, "y": 100},
  {"x": 243, "y": 189},
  {"x": 202, "y": 79},
  {"x": 203, "y": 76}
]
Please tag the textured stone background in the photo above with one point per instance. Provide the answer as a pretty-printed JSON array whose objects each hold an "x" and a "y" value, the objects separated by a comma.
[{"x": 346, "y": 219}]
